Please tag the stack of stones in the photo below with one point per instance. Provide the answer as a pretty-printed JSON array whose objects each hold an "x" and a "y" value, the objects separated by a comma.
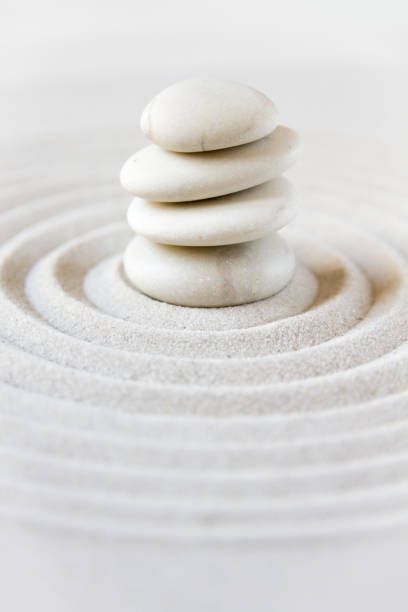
[{"x": 209, "y": 197}]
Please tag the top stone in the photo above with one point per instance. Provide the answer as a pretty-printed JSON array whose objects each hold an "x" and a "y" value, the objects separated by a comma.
[{"x": 207, "y": 114}]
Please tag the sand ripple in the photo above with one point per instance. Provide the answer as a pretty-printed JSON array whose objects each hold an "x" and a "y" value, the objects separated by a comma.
[{"x": 276, "y": 420}]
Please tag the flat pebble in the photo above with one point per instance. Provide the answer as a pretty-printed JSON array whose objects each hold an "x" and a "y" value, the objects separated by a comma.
[
  {"x": 155, "y": 174},
  {"x": 239, "y": 217},
  {"x": 210, "y": 276},
  {"x": 205, "y": 114}
]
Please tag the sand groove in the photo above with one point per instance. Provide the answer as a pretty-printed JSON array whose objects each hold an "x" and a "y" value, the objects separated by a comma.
[{"x": 282, "y": 419}]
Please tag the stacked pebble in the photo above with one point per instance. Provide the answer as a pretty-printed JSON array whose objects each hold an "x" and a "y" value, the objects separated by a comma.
[{"x": 209, "y": 196}]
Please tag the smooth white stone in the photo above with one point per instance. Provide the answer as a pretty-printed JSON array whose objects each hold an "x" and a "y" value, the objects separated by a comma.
[
  {"x": 239, "y": 217},
  {"x": 207, "y": 114},
  {"x": 210, "y": 276},
  {"x": 155, "y": 174}
]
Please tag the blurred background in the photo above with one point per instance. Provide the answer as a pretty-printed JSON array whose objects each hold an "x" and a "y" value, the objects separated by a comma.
[{"x": 330, "y": 66}]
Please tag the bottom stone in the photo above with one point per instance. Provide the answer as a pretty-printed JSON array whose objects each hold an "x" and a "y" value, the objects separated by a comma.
[{"x": 210, "y": 276}]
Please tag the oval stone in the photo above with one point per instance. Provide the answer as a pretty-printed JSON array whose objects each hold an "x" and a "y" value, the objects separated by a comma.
[
  {"x": 155, "y": 174},
  {"x": 239, "y": 217},
  {"x": 205, "y": 114},
  {"x": 210, "y": 276}
]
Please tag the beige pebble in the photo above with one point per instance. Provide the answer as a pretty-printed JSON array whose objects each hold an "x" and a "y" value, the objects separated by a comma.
[
  {"x": 210, "y": 276},
  {"x": 155, "y": 174},
  {"x": 239, "y": 217},
  {"x": 204, "y": 114}
]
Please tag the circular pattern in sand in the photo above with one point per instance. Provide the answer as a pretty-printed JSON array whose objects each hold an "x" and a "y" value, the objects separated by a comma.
[{"x": 276, "y": 420}]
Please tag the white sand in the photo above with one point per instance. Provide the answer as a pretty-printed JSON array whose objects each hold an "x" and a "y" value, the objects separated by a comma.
[{"x": 266, "y": 422}]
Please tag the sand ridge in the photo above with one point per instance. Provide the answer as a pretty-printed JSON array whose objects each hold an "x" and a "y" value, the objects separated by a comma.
[{"x": 276, "y": 420}]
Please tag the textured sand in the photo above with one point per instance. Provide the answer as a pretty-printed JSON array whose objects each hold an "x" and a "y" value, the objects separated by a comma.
[{"x": 279, "y": 420}]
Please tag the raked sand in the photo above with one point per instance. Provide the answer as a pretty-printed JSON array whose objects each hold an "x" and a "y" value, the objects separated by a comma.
[{"x": 271, "y": 422}]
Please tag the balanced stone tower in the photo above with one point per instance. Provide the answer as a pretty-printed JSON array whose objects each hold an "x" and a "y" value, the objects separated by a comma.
[{"x": 209, "y": 197}]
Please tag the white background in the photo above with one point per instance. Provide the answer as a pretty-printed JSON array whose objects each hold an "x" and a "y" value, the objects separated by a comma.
[{"x": 329, "y": 65}]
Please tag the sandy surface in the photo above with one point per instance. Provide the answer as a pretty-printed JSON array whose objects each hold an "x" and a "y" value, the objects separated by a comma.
[
  {"x": 280, "y": 419},
  {"x": 128, "y": 424}
]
